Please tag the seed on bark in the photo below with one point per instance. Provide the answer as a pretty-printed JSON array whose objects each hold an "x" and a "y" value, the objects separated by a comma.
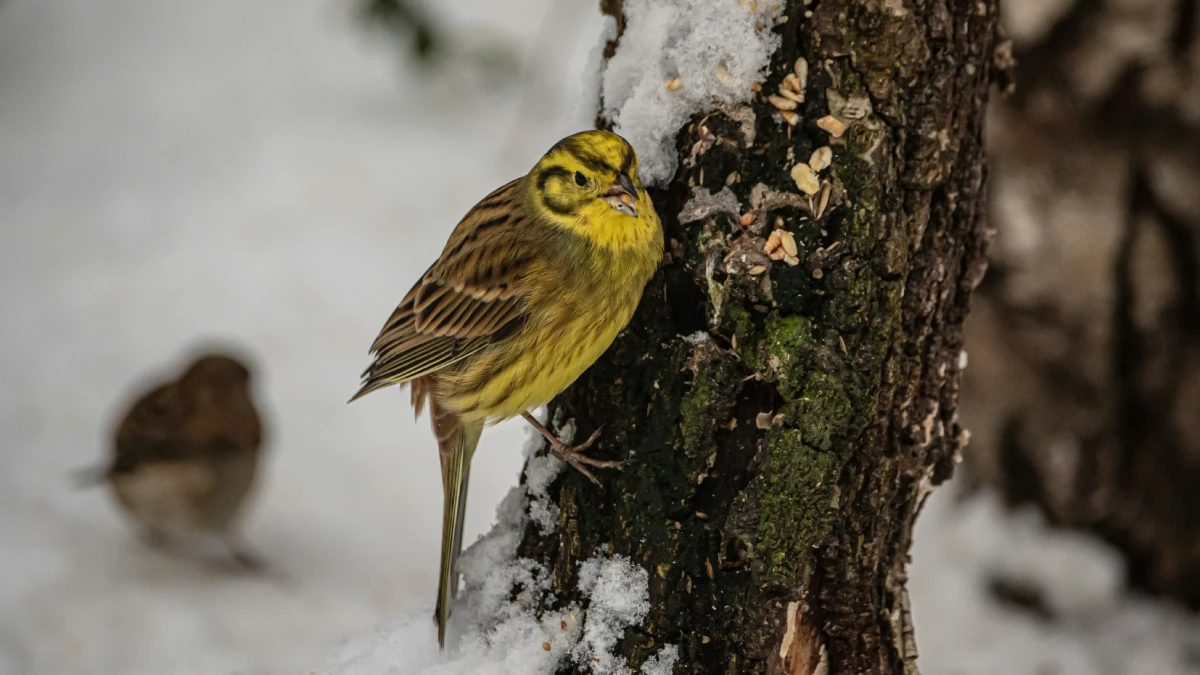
[
  {"x": 791, "y": 95},
  {"x": 832, "y": 125},
  {"x": 781, "y": 102},
  {"x": 788, "y": 241},
  {"x": 806, "y": 179},
  {"x": 774, "y": 241},
  {"x": 821, "y": 158},
  {"x": 823, "y": 201}
]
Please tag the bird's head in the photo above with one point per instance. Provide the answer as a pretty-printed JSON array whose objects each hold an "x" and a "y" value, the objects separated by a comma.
[
  {"x": 216, "y": 371},
  {"x": 588, "y": 183}
]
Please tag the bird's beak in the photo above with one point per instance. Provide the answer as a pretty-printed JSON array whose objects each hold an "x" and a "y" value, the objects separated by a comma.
[{"x": 622, "y": 196}]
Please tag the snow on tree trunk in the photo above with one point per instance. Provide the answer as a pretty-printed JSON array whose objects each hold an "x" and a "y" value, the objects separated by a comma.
[
  {"x": 1084, "y": 383},
  {"x": 783, "y": 415}
]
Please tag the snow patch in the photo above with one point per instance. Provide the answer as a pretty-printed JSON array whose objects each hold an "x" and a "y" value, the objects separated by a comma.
[
  {"x": 592, "y": 76},
  {"x": 716, "y": 49},
  {"x": 540, "y": 472},
  {"x": 1096, "y": 626},
  {"x": 498, "y": 626},
  {"x": 662, "y": 663},
  {"x": 619, "y": 591}
]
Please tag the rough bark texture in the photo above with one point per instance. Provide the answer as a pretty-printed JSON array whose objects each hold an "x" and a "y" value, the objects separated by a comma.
[
  {"x": 1083, "y": 390},
  {"x": 775, "y": 470}
]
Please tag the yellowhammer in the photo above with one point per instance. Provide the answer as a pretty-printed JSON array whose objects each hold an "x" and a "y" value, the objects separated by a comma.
[{"x": 533, "y": 285}]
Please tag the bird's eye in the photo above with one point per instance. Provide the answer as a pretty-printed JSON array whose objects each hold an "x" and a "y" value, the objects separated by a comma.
[{"x": 580, "y": 179}]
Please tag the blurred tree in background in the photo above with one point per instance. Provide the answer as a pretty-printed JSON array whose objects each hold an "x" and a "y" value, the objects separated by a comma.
[
  {"x": 411, "y": 24},
  {"x": 1083, "y": 390},
  {"x": 424, "y": 41}
]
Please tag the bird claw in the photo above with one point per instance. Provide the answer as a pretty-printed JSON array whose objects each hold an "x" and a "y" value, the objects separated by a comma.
[{"x": 574, "y": 455}]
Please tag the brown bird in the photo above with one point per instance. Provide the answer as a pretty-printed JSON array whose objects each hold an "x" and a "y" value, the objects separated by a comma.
[{"x": 186, "y": 453}]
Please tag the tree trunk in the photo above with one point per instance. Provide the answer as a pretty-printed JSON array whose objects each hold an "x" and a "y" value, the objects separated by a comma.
[
  {"x": 776, "y": 467},
  {"x": 1084, "y": 384}
]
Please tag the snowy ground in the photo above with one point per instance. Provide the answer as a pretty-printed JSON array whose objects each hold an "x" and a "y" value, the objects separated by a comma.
[
  {"x": 252, "y": 171},
  {"x": 260, "y": 172}
]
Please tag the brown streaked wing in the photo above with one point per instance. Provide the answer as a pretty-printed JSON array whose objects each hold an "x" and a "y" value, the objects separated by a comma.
[{"x": 470, "y": 298}]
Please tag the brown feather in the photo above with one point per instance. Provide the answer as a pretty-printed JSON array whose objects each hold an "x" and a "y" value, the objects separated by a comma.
[{"x": 458, "y": 308}]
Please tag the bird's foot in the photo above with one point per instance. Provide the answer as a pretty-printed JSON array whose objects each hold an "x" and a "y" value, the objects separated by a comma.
[{"x": 574, "y": 455}]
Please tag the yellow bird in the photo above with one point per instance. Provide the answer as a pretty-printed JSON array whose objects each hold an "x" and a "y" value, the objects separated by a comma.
[{"x": 532, "y": 287}]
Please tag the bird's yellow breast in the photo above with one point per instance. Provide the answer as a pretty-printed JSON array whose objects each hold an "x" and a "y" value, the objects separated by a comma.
[{"x": 575, "y": 316}]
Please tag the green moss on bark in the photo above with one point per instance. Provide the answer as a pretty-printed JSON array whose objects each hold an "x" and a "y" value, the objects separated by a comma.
[{"x": 793, "y": 497}]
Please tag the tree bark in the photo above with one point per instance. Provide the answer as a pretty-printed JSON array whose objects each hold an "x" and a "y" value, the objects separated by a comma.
[
  {"x": 775, "y": 470},
  {"x": 1084, "y": 384}
]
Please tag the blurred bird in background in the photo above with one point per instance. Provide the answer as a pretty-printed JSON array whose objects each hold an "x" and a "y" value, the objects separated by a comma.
[
  {"x": 532, "y": 287},
  {"x": 186, "y": 454}
]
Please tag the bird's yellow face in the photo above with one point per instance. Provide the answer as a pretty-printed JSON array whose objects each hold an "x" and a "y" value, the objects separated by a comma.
[{"x": 588, "y": 183}]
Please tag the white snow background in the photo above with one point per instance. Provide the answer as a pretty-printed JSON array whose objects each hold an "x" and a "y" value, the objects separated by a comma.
[{"x": 263, "y": 172}]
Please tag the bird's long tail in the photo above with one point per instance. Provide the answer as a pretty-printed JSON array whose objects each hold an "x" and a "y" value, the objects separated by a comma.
[{"x": 456, "y": 442}]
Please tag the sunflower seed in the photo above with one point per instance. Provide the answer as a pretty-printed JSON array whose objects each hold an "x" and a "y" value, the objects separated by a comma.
[
  {"x": 781, "y": 102},
  {"x": 823, "y": 201},
  {"x": 821, "y": 158},
  {"x": 788, "y": 242},
  {"x": 806, "y": 179},
  {"x": 832, "y": 125},
  {"x": 722, "y": 72},
  {"x": 774, "y": 241}
]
